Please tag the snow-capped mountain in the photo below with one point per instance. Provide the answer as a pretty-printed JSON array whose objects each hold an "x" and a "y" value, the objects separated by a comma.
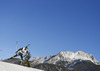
[
  {"x": 68, "y": 57},
  {"x": 13, "y": 67}
]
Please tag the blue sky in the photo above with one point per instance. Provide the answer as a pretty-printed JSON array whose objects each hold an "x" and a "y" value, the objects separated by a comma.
[{"x": 50, "y": 26}]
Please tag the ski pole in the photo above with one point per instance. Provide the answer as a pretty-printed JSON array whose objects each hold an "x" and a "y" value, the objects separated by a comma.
[
  {"x": 28, "y": 45},
  {"x": 16, "y": 45}
]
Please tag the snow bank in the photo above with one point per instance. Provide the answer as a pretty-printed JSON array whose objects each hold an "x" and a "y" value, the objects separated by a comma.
[{"x": 13, "y": 67}]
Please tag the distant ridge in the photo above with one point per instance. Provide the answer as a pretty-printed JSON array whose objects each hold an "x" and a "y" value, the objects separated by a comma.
[{"x": 65, "y": 56}]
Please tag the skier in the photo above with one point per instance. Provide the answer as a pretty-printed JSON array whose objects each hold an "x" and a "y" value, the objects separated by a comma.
[{"x": 20, "y": 52}]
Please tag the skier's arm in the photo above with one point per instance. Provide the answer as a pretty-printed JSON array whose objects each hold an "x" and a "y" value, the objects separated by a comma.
[
  {"x": 26, "y": 52},
  {"x": 19, "y": 50}
]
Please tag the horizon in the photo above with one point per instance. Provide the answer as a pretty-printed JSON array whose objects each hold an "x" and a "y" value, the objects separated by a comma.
[
  {"x": 58, "y": 53},
  {"x": 50, "y": 26}
]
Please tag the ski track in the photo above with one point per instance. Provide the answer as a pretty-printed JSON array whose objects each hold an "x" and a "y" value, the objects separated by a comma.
[{"x": 13, "y": 67}]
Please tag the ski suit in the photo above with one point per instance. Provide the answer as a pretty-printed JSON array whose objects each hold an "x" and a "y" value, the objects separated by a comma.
[{"x": 20, "y": 53}]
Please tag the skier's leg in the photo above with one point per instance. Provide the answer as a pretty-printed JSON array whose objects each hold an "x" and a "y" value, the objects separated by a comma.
[
  {"x": 13, "y": 56},
  {"x": 21, "y": 60}
]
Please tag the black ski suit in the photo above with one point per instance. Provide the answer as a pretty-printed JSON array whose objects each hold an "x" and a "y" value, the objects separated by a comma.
[{"x": 20, "y": 53}]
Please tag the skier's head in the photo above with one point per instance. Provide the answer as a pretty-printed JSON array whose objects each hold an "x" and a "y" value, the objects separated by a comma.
[{"x": 26, "y": 48}]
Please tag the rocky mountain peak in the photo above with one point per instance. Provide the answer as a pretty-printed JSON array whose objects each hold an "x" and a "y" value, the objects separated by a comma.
[
  {"x": 68, "y": 56},
  {"x": 78, "y": 55}
]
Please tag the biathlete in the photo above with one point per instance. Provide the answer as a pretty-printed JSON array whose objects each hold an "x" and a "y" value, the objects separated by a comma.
[{"x": 20, "y": 52}]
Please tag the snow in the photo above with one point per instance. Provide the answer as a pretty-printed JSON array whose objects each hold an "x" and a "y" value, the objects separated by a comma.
[
  {"x": 13, "y": 67},
  {"x": 70, "y": 56},
  {"x": 78, "y": 55}
]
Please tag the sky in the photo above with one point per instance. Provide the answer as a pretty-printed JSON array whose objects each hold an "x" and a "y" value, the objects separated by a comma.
[{"x": 49, "y": 26}]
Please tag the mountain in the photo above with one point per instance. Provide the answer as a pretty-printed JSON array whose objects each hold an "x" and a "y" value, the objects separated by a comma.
[
  {"x": 86, "y": 66},
  {"x": 51, "y": 67},
  {"x": 67, "y": 61},
  {"x": 13, "y": 67},
  {"x": 68, "y": 57}
]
